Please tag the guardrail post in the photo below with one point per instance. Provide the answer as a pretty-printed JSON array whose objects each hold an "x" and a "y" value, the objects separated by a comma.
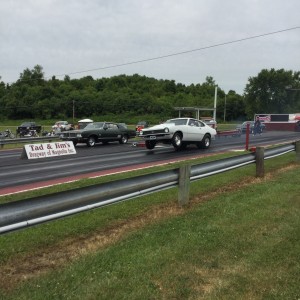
[
  {"x": 297, "y": 148},
  {"x": 1, "y": 142},
  {"x": 260, "y": 166},
  {"x": 184, "y": 185},
  {"x": 247, "y": 136}
]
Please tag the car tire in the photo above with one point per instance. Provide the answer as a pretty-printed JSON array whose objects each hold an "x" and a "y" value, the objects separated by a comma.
[
  {"x": 124, "y": 139},
  {"x": 177, "y": 141},
  {"x": 150, "y": 144},
  {"x": 205, "y": 143},
  {"x": 91, "y": 141}
]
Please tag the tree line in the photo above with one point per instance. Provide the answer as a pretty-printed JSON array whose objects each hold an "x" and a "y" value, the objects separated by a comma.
[{"x": 127, "y": 97}]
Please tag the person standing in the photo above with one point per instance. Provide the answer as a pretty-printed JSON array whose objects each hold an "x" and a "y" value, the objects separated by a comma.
[{"x": 257, "y": 126}]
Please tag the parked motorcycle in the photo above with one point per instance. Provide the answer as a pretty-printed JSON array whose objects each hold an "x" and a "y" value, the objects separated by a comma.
[
  {"x": 29, "y": 133},
  {"x": 7, "y": 134},
  {"x": 49, "y": 133}
]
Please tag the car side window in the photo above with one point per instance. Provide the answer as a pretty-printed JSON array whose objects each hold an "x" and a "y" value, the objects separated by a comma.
[
  {"x": 191, "y": 123},
  {"x": 194, "y": 123},
  {"x": 201, "y": 124},
  {"x": 112, "y": 126}
]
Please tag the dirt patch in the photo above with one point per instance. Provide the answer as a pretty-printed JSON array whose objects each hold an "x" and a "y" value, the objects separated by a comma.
[{"x": 56, "y": 256}]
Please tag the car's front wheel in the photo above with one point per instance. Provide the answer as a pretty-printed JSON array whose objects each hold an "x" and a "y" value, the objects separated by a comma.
[
  {"x": 124, "y": 139},
  {"x": 177, "y": 141},
  {"x": 150, "y": 144},
  {"x": 91, "y": 141},
  {"x": 205, "y": 143}
]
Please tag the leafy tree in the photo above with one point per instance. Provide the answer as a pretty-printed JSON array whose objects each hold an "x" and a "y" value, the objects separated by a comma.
[
  {"x": 234, "y": 108},
  {"x": 34, "y": 76},
  {"x": 118, "y": 97},
  {"x": 268, "y": 93}
]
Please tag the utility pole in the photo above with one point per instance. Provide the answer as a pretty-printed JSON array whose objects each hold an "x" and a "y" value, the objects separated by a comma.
[
  {"x": 225, "y": 109},
  {"x": 73, "y": 112},
  {"x": 215, "y": 103}
]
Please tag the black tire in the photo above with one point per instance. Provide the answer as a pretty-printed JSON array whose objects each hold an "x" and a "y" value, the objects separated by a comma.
[
  {"x": 91, "y": 141},
  {"x": 177, "y": 141},
  {"x": 124, "y": 139},
  {"x": 150, "y": 144},
  {"x": 74, "y": 143},
  {"x": 205, "y": 143}
]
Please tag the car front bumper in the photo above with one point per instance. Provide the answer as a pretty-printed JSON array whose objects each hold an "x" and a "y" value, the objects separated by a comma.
[{"x": 157, "y": 137}]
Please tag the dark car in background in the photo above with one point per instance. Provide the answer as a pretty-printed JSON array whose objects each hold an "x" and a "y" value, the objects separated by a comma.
[
  {"x": 97, "y": 132},
  {"x": 141, "y": 125},
  {"x": 243, "y": 127},
  {"x": 62, "y": 125},
  {"x": 27, "y": 128},
  {"x": 210, "y": 122}
]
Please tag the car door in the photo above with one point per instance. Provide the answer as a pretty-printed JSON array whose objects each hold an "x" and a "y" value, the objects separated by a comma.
[
  {"x": 113, "y": 132},
  {"x": 195, "y": 130}
]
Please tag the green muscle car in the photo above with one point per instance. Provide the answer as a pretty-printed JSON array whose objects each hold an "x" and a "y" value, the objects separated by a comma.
[{"x": 99, "y": 132}]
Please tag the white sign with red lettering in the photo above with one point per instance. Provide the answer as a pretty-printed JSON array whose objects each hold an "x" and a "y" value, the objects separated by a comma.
[{"x": 33, "y": 151}]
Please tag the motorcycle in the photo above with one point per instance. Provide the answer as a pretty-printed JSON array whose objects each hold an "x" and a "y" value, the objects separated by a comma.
[
  {"x": 49, "y": 133},
  {"x": 7, "y": 134},
  {"x": 29, "y": 133}
]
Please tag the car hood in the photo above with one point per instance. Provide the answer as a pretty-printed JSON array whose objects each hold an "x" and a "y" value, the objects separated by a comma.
[
  {"x": 160, "y": 126},
  {"x": 73, "y": 131}
]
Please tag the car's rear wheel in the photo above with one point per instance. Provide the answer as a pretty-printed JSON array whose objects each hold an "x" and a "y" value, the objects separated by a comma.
[
  {"x": 124, "y": 139},
  {"x": 150, "y": 144},
  {"x": 91, "y": 141},
  {"x": 205, "y": 143},
  {"x": 177, "y": 141}
]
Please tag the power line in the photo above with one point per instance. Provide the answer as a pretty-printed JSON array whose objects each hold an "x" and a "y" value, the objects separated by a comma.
[
  {"x": 183, "y": 52},
  {"x": 180, "y": 53}
]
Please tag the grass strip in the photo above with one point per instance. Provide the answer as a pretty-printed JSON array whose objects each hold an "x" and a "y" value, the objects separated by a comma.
[{"x": 238, "y": 245}]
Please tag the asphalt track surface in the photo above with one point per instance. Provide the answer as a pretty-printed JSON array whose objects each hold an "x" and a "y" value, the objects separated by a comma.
[{"x": 18, "y": 174}]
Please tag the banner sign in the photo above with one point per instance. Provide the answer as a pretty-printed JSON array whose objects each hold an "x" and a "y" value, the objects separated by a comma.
[{"x": 33, "y": 151}]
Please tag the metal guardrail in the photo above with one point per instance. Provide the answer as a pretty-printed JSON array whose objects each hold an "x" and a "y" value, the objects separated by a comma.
[
  {"x": 20, "y": 214},
  {"x": 7, "y": 141}
]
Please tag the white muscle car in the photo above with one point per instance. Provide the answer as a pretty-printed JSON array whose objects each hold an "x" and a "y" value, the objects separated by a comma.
[{"x": 179, "y": 132}]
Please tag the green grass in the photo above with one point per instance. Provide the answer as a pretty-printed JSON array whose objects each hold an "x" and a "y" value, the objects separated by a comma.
[{"x": 239, "y": 245}]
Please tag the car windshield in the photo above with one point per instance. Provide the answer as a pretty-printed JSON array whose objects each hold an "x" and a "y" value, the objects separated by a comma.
[
  {"x": 94, "y": 125},
  {"x": 177, "y": 121},
  {"x": 247, "y": 122},
  {"x": 142, "y": 123}
]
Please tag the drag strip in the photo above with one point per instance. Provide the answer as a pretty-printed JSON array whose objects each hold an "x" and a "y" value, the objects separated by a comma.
[{"x": 18, "y": 174}]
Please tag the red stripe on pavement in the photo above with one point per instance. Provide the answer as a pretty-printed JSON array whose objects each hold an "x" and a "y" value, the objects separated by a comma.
[{"x": 48, "y": 183}]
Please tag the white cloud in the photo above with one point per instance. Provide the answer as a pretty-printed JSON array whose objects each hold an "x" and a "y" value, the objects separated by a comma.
[{"x": 65, "y": 37}]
